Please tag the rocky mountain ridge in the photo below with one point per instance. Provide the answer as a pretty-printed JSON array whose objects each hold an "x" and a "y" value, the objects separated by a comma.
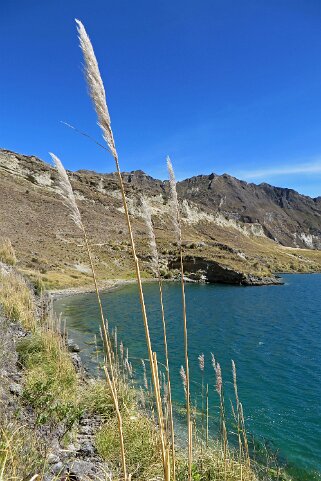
[{"x": 248, "y": 228}]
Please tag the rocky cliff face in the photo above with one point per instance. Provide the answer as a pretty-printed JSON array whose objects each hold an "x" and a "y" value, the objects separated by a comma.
[
  {"x": 283, "y": 215},
  {"x": 245, "y": 228}
]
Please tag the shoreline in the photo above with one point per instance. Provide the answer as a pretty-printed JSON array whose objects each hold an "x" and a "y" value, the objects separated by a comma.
[
  {"x": 104, "y": 287},
  {"x": 113, "y": 284}
]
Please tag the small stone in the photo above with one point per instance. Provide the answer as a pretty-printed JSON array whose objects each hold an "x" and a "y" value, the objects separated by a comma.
[
  {"x": 57, "y": 468},
  {"x": 15, "y": 389},
  {"x": 87, "y": 449},
  {"x": 76, "y": 360},
  {"x": 53, "y": 459},
  {"x": 16, "y": 377},
  {"x": 85, "y": 429},
  {"x": 71, "y": 448},
  {"x": 82, "y": 468},
  {"x": 72, "y": 346}
]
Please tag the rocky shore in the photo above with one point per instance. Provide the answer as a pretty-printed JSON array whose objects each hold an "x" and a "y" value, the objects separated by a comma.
[
  {"x": 74, "y": 461},
  {"x": 197, "y": 270},
  {"x": 206, "y": 270}
]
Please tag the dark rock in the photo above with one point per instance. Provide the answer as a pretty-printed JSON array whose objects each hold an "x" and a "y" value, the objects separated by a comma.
[
  {"x": 15, "y": 377},
  {"x": 85, "y": 429},
  {"x": 87, "y": 449},
  {"x": 16, "y": 389},
  {"x": 83, "y": 469},
  {"x": 72, "y": 346},
  {"x": 206, "y": 270},
  {"x": 76, "y": 360}
]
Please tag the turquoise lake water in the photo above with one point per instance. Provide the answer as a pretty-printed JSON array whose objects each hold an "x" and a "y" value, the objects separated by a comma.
[{"x": 273, "y": 334}]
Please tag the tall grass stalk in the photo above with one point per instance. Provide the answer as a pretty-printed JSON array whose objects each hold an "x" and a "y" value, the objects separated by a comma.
[
  {"x": 155, "y": 265},
  {"x": 240, "y": 418},
  {"x": 98, "y": 96},
  {"x": 177, "y": 226},
  {"x": 70, "y": 202},
  {"x": 201, "y": 363},
  {"x": 237, "y": 415},
  {"x": 206, "y": 437},
  {"x": 219, "y": 390}
]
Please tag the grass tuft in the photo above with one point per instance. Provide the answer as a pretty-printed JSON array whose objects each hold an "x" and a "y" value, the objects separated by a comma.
[
  {"x": 142, "y": 444},
  {"x": 21, "y": 453},
  {"x": 17, "y": 300},
  {"x": 51, "y": 383},
  {"x": 7, "y": 253}
]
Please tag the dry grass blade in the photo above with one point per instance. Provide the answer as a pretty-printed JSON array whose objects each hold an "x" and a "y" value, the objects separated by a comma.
[
  {"x": 219, "y": 390},
  {"x": 201, "y": 363},
  {"x": 240, "y": 418}
]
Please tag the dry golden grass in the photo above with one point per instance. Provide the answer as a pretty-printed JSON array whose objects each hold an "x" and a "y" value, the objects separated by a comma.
[
  {"x": 51, "y": 384},
  {"x": 142, "y": 445},
  {"x": 7, "y": 253},
  {"x": 21, "y": 453},
  {"x": 17, "y": 300}
]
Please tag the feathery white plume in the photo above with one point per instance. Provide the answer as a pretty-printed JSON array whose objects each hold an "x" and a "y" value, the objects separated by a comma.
[
  {"x": 96, "y": 87},
  {"x": 145, "y": 375},
  {"x": 121, "y": 349},
  {"x": 201, "y": 361},
  {"x": 218, "y": 372},
  {"x": 147, "y": 216},
  {"x": 219, "y": 382},
  {"x": 213, "y": 360},
  {"x": 174, "y": 199},
  {"x": 66, "y": 192},
  {"x": 234, "y": 372},
  {"x": 184, "y": 380}
]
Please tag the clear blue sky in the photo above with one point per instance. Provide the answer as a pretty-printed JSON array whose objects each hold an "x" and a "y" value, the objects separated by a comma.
[{"x": 220, "y": 85}]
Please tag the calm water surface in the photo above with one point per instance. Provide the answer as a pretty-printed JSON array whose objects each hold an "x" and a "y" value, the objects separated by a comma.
[{"x": 272, "y": 333}]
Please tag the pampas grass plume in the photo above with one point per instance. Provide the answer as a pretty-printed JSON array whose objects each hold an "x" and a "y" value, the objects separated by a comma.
[
  {"x": 201, "y": 362},
  {"x": 66, "y": 192},
  {"x": 96, "y": 87},
  {"x": 147, "y": 216}
]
